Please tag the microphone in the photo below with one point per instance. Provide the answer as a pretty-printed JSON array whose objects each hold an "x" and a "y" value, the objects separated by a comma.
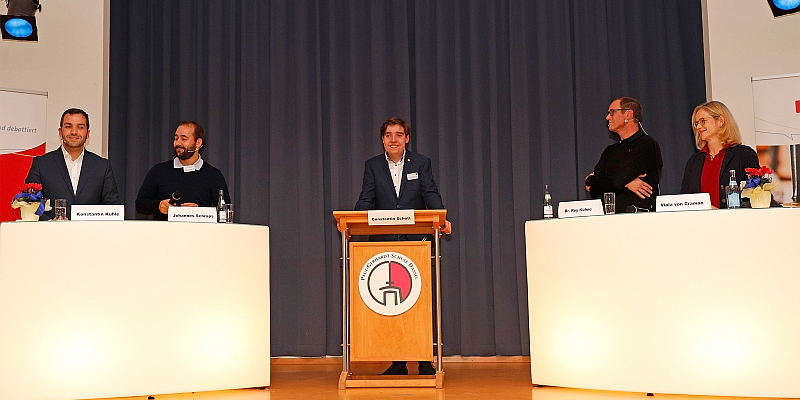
[
  {"x": 176, "y": 195},
  {"x": 634, "y": 209},
  {"x": 195, "y": 150}
]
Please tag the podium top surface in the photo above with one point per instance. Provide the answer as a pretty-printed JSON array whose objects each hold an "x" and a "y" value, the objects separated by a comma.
[{"x": 356, "y": 223}]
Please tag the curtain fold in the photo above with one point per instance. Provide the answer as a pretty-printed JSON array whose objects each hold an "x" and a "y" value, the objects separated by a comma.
[{"x": 503, "y": 96}]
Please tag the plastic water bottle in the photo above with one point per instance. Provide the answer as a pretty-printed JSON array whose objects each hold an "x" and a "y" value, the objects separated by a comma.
[
  {"x": 548, "y": 203},
  {"x": 733, "y": 191},
  {"x": 222, "y": 215}
]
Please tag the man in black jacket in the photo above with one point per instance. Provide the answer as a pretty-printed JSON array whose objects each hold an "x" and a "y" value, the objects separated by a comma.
[{"x": 631, "y": 168}]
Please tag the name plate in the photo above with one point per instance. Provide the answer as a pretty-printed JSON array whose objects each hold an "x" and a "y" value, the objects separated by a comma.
[
  {"x": 109, "y": 212},
  {"x": 192, "y": 214},
  {"x": 390, "y": 217},
  {"x": 583, "y": 208},
  {"x": 683, "y": 202}
]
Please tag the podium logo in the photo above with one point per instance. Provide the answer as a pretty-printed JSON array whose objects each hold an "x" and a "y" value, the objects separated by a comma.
[{"x": 389, "y": 283}]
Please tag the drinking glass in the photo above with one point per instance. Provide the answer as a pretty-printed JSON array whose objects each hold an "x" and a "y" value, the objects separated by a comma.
[
  {"x": 61, "y": 210},
  {"x": 229, "y": 212},
  {"x": 609, "y": 200}
]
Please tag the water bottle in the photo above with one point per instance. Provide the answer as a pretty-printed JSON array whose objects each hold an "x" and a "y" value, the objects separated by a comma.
[
  {"x": 548, "y": 203},
  {"x": 222, "y": 215},
  {"x": 733, "y": 191}
]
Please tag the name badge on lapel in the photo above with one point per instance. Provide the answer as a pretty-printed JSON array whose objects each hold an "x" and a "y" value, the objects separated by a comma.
[{"x": 412, "y": 176}]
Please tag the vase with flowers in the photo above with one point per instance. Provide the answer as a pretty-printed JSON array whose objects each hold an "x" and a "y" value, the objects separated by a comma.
[
  {"x": 30, "y": 202},
  {"x": 758, "y": 187}
]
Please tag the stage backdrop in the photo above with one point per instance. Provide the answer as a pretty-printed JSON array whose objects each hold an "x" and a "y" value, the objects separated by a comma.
[{"x": 503, "y": 96}]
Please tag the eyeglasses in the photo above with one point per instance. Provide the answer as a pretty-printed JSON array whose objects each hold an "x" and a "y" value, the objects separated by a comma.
[
  {"x": 701, "y": 122},
  {"x": 611, "y": 111}
]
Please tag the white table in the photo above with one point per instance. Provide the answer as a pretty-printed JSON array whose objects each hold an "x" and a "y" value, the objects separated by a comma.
[
  {"x": 130, "y": 308},
  {"x": 698, "y": 302}
]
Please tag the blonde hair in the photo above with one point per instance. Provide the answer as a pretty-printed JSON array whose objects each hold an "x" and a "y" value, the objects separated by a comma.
[{"x": 728, "y": 132}]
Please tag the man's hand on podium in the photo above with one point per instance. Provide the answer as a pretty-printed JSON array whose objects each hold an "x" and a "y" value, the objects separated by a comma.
[{"x": 448, "y": 227}]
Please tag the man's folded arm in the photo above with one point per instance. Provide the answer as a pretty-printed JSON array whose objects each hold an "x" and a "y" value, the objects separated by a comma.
[{"x": 637, "y": 162}]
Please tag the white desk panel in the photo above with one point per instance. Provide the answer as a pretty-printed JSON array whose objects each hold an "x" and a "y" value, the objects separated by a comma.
[
  {"x": 698, "y": 302},
  {"x": 127, "y": 308}
]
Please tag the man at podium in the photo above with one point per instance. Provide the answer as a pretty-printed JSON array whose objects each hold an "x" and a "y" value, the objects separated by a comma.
[{"x": 400, "y": 179}]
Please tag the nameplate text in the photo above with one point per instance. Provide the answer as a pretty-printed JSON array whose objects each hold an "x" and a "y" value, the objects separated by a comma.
[
  {"x": 683, "y": 202},
  {"x": 192, "y": 214},
  {"x": 582, "y": 208},
  {"x": 105, "y": 212},
  {"x": 390, "y": 217}
]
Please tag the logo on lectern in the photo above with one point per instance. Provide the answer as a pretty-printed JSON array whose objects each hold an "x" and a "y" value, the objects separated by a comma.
[{"x": 389, "y": 283}]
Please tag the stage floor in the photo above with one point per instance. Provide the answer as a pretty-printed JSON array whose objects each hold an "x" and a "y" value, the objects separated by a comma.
[{"x": 298, "y": 380}]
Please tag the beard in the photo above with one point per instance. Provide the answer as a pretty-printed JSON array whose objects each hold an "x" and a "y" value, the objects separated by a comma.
[{"x": 186, "y": 154}]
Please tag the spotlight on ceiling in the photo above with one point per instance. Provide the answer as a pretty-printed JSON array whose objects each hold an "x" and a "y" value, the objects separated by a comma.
[
  {"x": 20, "y": 23},
  {"x": 784, "y": 7}
]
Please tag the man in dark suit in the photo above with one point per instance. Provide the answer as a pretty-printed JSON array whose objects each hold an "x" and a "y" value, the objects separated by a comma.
[
  {"x": 400, "y": 179},
  {"x": 71, "y": 172}
]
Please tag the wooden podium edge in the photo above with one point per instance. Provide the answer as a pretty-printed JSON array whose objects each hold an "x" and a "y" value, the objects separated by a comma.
[
  {"x": 343, "y": 379},
  {"x": 348, "y": 380}
]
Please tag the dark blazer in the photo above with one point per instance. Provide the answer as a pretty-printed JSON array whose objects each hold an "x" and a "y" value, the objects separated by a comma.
[
  {"x": 737, "y": 157},
  {"x": 419, "y": 193},
  {"x": 96, "y": 184}
]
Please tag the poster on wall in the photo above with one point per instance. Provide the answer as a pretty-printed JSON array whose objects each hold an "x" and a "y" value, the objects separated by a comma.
[
  {"x": 23, "y": 122},
  {"x": 776, "y": 107}
]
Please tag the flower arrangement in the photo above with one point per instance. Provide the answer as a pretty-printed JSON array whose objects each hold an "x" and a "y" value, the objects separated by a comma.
[
  {"x": 760, "y": 178},
  {"x": 758, "y": 186},
  {"x": 31, "y": 196}
]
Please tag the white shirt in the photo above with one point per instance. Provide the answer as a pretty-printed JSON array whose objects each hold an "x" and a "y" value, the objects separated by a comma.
[
  {"x": 73, "y": 168},
  {"x": 176, "y": 163},
  {"x": 396, "y": 170}
]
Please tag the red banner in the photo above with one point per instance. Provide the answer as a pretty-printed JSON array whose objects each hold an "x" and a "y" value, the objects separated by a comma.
[{"x": 13, "y": 170}]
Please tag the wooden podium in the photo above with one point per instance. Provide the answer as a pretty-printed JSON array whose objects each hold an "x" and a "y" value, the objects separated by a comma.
[{"x": 387, "y": 298}]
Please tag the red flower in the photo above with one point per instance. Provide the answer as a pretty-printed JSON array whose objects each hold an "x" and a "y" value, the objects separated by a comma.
[
  {"x": 31, "y": 188},
  {"x": 760, "y": 172}
]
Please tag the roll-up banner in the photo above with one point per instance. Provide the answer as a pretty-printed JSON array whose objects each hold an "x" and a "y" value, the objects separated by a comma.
[
  {"x": 23, "y": 121},
  {"x": 776, "y": 108}
]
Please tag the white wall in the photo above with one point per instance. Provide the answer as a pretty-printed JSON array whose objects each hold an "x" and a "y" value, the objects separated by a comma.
[
  {"x": 745, "y": 41},
  {"x": 68, "y": 62}
]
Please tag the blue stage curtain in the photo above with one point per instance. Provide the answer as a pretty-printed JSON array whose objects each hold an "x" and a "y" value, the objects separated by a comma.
[{"x": 503, "y": 96}]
